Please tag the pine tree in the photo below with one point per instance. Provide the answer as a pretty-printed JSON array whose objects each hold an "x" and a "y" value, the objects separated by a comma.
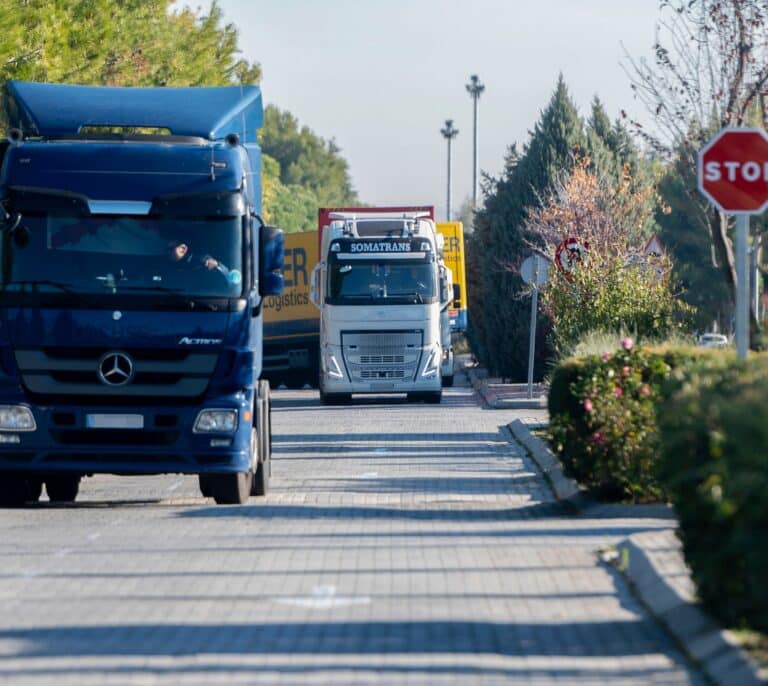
[
  {"x": 502, "y": 317},
  {"x": 688, "y": 242}
]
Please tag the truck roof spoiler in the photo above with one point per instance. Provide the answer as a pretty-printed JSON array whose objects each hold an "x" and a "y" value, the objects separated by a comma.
[
  {"x": 355, "y": 216},
  {"x": 50, "y": 110}
]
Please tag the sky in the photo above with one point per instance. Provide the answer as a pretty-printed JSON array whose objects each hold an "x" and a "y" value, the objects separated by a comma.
[{"x": 381, "y": 77}]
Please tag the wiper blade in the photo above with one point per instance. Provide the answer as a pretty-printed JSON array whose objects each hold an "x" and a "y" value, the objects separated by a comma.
[{"x": 415, "y": 295}]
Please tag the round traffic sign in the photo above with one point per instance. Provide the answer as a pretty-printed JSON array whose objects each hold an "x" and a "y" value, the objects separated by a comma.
[
  {"x": 571, "y": 252},
  {"x": 535, "y": 265}
]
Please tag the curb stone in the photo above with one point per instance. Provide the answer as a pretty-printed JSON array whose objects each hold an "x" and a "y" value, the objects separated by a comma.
[
  {"x": 563, "y": 487},
  {"x": 642, "y": 559},
  {"x": 478, "y": 379},
  {"x": 653, "y": 564}
]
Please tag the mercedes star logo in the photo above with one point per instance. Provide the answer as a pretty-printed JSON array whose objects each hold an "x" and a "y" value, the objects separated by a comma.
[{"x": 115, "y": 369}]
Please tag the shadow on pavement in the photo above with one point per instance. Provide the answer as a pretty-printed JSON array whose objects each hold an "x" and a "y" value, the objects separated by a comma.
[{"x": 341, "y": 638}]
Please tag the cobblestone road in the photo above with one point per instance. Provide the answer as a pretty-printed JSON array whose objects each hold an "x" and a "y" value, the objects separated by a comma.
[{"x": 399, "y": 544}]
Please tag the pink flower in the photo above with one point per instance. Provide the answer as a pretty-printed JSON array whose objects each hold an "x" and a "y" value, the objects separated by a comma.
[
  {"x": 618, "y": 392},
  {"x": 588, "y": 405},
  {"x": 627, "y": 343},
  {"x": 606, "y": 357},
  {"x": 597, "y": 437},
  {"x": 644, "y": 390},
  {"x": 625, "y": 371}
]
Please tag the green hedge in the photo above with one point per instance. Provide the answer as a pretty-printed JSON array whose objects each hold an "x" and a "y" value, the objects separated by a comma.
[
  {"x": 714, "y": 465},
  {"x": 602, "y": 413}
]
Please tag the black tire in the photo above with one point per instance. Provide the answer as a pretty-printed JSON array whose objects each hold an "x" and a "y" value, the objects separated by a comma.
[
  {"x": 231, "y": 489},
  {"x": 261, "y": 442},
  {"x": 448, "y": 381},
  {"x": 314, "y": 377},
  {"x": 335, "y": 398},
  {"x": 433, "y": 398},
  {"x": 34, "y": 489},
  {"x": 425, "y": 397},
  {"x": 206, "y": 487},
  {"x": 62, "y": 488},
  {"x": 264, "y": 470},
  {"x": 14, "y": 490},
  {"x": 295, "y": 381}
]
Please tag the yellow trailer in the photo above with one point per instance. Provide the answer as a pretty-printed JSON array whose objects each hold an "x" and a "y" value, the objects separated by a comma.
[
  {"x": 291, "y": 321},
  {"x": 453, "y": 255}
]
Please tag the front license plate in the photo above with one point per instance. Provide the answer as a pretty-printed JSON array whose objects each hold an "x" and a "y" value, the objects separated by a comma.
[{"x": 114, "y": 421}]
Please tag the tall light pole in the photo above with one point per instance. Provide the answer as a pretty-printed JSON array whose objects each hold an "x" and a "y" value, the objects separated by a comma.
[
  {"x": 449, "y": 133},
  {"x": 475, "y": 89}
]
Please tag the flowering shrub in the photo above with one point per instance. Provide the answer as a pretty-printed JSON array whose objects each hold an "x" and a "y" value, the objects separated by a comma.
[
  {"x": 612, "y": 285},
  {"x": 603, "y": 418}
]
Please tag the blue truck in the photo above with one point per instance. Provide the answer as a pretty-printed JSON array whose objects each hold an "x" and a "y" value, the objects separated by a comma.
[{"x": 133, "y": 267}]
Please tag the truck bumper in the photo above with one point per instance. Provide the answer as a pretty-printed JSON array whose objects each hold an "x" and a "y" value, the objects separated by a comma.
[
  {"x": 65, "y": 441},
  {"x": 330, "y": 384},
  {"x": 379, "y": 375}
]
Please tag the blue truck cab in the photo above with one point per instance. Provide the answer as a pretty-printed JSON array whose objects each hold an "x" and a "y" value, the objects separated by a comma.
[{"x": 133, "y": 266}]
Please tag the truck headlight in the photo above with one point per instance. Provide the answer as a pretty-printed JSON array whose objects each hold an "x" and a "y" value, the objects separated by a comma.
[
  {"x": 16, "y": 418},
  {"x": 332, "y": 367},
  {"x": 432, "y": 365},
  {"x": 216, "y": 422}
]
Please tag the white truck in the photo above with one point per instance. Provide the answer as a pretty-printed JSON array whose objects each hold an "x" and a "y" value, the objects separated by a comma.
[{"x": 382, "y": 289}]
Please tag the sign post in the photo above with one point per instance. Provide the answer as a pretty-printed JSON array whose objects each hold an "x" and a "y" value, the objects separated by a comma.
[
  {"x": 733, "y": 175},
  {"x": 534, "y": 271}
]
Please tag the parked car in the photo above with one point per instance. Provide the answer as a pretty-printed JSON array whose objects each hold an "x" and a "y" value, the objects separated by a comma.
[{"x": 712, "y": 340}]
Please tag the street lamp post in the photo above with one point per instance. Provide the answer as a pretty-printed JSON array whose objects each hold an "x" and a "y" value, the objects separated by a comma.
[
  {"x": 449, "y": 133},
  {"x": 475, "y": 89}
]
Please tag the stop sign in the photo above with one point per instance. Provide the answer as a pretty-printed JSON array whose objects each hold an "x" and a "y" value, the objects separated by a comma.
[{"x": 733, "y": 171}]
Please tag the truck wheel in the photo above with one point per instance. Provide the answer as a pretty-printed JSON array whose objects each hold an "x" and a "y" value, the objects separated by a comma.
[
  {"x": 295, "y": 381},
  {"x": 14, "y": 490},
  {"x": 335, "y": 398},
  {"x": 261, "y": 442},
  {"x": 34, "y": 489},
  {"x": 231, "y": 489},
  {"x": 448, "y": 381},
  {"x": 264, "y": 470},
  {"x": 425, "y": 397},
  {"x": 204, "y": 481},
  {"x": 62, "y": 488},
  {"x": 314, "y": 377}
]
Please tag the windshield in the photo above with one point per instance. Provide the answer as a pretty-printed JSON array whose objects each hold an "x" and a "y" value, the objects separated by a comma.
[
  {"x": 118, "y": 254},
  {"x": 387, "y": 281}
]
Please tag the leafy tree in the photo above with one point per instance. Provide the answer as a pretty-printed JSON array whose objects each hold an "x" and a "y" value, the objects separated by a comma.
[
  {"x": 709, "y": 71},
  {"x": 291, "y": 207},
  {"x": 612, "y": 287},
  {"x": 120, "y": 42},
  {"x": 500, "y": 311}
]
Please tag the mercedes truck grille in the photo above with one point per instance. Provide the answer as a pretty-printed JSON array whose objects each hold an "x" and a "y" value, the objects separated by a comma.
[
  {"x": 372, "y": 356},
  {"x": 116, "y": 373}
]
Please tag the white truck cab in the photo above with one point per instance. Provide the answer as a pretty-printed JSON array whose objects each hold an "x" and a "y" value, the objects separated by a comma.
[{"x": 381, "y": 287}]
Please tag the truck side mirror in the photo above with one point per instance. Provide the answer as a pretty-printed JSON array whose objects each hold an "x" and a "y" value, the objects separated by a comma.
[
  {"x": 271, "y": 258},
  {"x": 456, "y": 295}
]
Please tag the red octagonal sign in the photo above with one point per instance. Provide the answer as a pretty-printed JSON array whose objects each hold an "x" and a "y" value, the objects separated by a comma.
[{"x": 733, "y": 171}]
